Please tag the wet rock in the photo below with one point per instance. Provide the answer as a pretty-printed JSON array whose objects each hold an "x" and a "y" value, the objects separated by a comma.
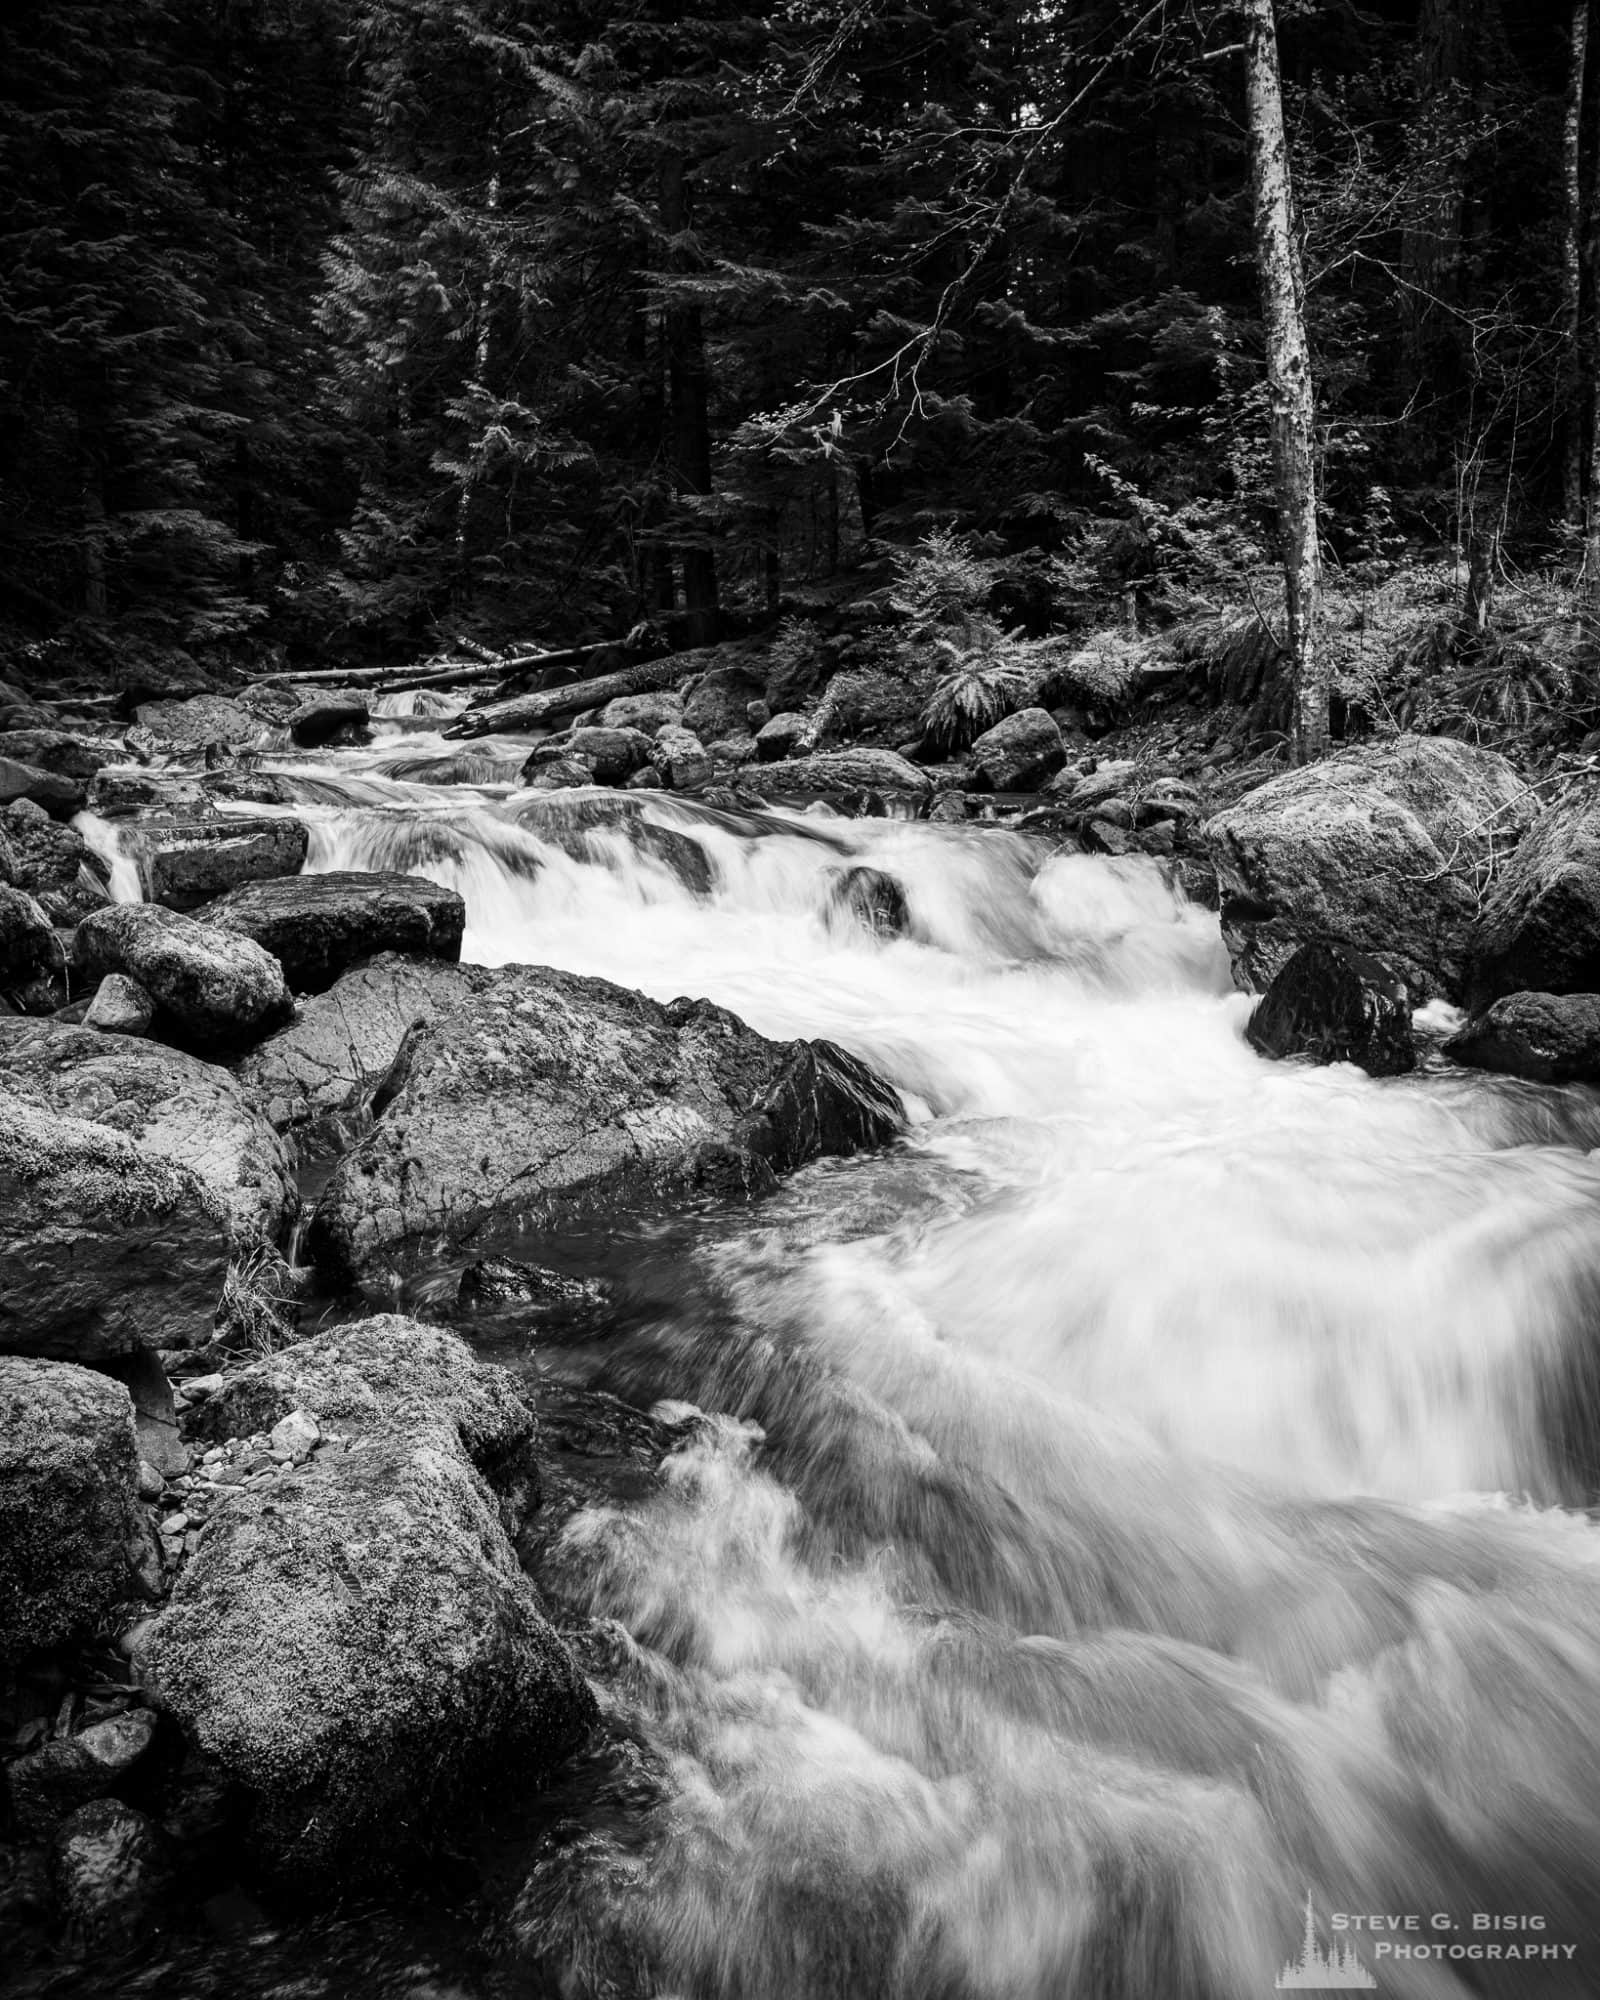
[
  {"x": 785, "y": 736},
  {"x": 1020, "y": 752},
  {"x": 170, "y": 1105},
  {"x": 185, "y": 863},
  {"x": 318, "y": 926},
  {"x": 120, "y": 1006},
  {"x": 60, "y": 797},
  {"x": 46, "y": 861},
  {"x": 1545, "y": 1037},
  {"x": 1379, "y": 848},
  {"x": 496, "y": 1282},
  {"x": 593, "y": 828},
  {"x": 680, "y": 757},
  {"x": 155, "y": 1414},
  {"x": 112, "y": 1875},
  {"x": 357, "y": 1642},
  {"x": 1539, "y": 930},
  {"x": 60, "y": 751},
  {"x": 715, "y": 702},
  {"x": 1334, "y": 1004},
  {"x": 28, "y": 942},
  {"x": 256, "y": 788},
  {"x": 613, "y": 755},
  {"x": 648, "y": 779},
  {"x": 212, "y": 989},
  {"x": 656, "y": 709},
  {"x": 542, "y": 1094},
  {"x": 870, "y": 898},
  {"x": 838, "y": 771},
  {"x": 950, "y": 809},
  {"x": 58, "y": 1777},
  {"x": 329, "y": 718},
  {"x": 202, "y": 719},
  {"x": 73, "y": 1538},
  {"x": 557, "y": 775},
  {"x": 129, "y": 788},
  {"x": 104, "y": 1247},
  {"x": 1104, "y": 836}
]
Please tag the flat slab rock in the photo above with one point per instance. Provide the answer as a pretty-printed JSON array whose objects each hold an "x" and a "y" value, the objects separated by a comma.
[
  {"x": 318, "y": 926},
  {"x": 73, "y": 1537},
  {"x": 540, "y": 1094},
  {"x": 837, "y": 771},
  {"x": 357, "y": 1643},
  {"x": 183, "y": 863},
  {"x": 169, "y": 1104},
  {"x": 104, "y": 1248}
]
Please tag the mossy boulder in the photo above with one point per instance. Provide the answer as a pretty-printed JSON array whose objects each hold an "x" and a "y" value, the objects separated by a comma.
[{"x": 212, "y": 989}]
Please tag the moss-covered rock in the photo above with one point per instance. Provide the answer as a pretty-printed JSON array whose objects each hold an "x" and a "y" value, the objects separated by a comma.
[{"x": 212, "y": 989}]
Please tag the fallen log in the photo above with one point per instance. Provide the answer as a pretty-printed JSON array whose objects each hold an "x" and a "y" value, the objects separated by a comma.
[
  {"x": 534, "y": 711},
  {"x": 439, "y": 673}
]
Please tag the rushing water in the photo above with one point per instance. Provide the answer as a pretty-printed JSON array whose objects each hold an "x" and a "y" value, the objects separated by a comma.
[{"x": 1150, "y": 1494}]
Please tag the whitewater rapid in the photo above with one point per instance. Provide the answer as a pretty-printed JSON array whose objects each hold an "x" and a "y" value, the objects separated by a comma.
[{"x": 1151, "y": 1494}]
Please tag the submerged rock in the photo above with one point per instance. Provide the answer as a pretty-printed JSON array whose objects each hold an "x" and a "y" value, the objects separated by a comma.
[
  {"x": 494, "y": 1283},
  {"x": 73, "y": 1537},
  {"x": 318, "y": 926},
  {"x": 543, "y": 1094},
  {"x": 581, "y": 827},
  {"x": 103, "y": 1247},
  {"x": 113, "y": 1875},
  {"x": 1545, "y": 1037},
  {"x": 1020, "y": 752},
  {"x": 171, "y": 1105},
  {"x": 1333, "y": 1004},
  {"x": 1379, "y": 848},
  {"x": 1539, "y": 930},
  {"x": 184, "y": 863},
  {"x": 212, "y": 989},
  {"x": 870, "y": 898},
  {"x": 361, "y": 1643},
  {"x": 68, "y": 1772}
]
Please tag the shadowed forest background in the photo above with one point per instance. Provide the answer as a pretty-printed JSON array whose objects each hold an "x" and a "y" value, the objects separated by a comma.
[{"x": 344, "y": 331}]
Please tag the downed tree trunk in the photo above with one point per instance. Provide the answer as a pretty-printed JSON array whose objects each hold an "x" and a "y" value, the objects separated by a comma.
[
  {"x": 534, "y": 711},
  {"x": 443, "y": 673}
]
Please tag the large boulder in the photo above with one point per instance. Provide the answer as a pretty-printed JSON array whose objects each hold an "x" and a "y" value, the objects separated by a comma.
[
  {"x": 169, "y": 1104},
  {"x": 612, "y": 754},
  {"x": 73, "y": 1538},
  {"x": 323, "y": 1068},
  {"x": 1382, "y": 848},
  {"x": 837, "y": 771},
  {"x": 28, "y": 941},
  {"x": 327, "y": 718},
  {"x": 318, "y": 926},
  {"x": 717, "y": 702},
  {"x": 59, "y": 750},
  {"x": 1333, "y": 1004},
  {"x": 359, "y": 1643},
  {"x": 49, "y": 862},
  {"x": 657, "y": 708},
  {"x": 202, "y": 719},
  {"x": 104, "y": 1248},
  {"x": 212, "y": 988},
  {"x": 1019, "y": 753},
  {"x": 786, "y": 736},
  {"x": 184, "y": 863},
  {"x": 59, "y": 796},
  {"x": 1539, "y": 929},
  {"x": 1545, "y": 1037},
  {"x": 542, "y": 1095},
  {"x": 680, "y": 758}
]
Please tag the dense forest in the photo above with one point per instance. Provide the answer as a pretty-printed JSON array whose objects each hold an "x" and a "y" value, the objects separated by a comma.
[{"x": 336, "y": 331}]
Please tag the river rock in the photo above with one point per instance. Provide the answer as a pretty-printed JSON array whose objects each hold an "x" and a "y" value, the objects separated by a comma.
[
  {"x": 543, "y": 1095},
  {"x": 1019, "y": 753},
  {"x": 1545, "y": 1037},
  {"x": 60, "y": 797},
  {"x": 681, "y": 758},
  {"x": 557, "y": 775},
  {"x": 184, "y": 863},
  {"x": 1539, "y": 929},
  {"x": 870, "y": 898},
  {"x": 595, "y": 827},
  {"x": 715, "y": 702},
  {"x": 356, "y": 1645},
  {"x": 171, "y": 1105},
  {"x": 1333, "y": 1004},
  {"x": 48, "y": 862},
  {"x": 612, "y": 754},
  {"x": 838, "y": 771},
  {"x": 113, "y": 1875},
  {"x": 212, "y": 988},
  {"x": 60, "y": 751},
  {"x": 58, "y": 1777},
  {"x": 656, "y": 709},
  {"x": 318, "y": 926},
  {"x": 493, "y": 1283},
  {"x": 1379, "y": 847},
  {"x": 103, "y": 1247},
  {"x": 28, "y": 942},
  {"x": 329, "y": 718},
  {"x": 120, "y": 1006},
  {"x": 202, "y": 719},
  {"x": 785, "y": 736},
  {"x": 73, "y": 1538}
]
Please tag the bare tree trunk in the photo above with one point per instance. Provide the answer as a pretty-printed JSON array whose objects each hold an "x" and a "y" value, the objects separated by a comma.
[
  {"x": 1288, "y": 378},
  {"x": 1572, "y": 262},
  {"x": 688, "y": 396},
  {"x": 482, "y": 350}
]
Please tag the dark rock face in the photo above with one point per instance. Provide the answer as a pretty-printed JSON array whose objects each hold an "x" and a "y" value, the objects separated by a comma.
[
  {"x": 1540, "y": 926},
  {"x": 171, "y": 1105},
  {"x": 360, "y": 1645},
  {"x": 73, "y": 1538},
  {"x": 1545, "y": 1037},
  {"x": 612, "y": 754},
  {"x": 1379, "y": 847},
  {"x": 496, "y": 1282},
  {"x": 838, "y": 771},
  {"x": 1334, "y": 1004},
  {"x": 1020, "y": 752},
  {"x": 58, "y": 1777},
  {"x": 28, "y": 942},
  {"x": 542, "y": 1094},
  {"x": 112, "y": 1875},
  {"x": 318, "y": 926},
  {"x": 48, "y": 862},
  {"x": 327, "y": 719},
  {"x": 184, "y": 863},
  {"x": 213, "y": 989},
  {"x": 58, "y": 750},
  {"x": 60, "y": 797},
  {"x": 872, "y": 899},
  {"x": 103, "y": 1247},
  {"x": 785, "y": 736},
  {"x": 715, "y": 703}
]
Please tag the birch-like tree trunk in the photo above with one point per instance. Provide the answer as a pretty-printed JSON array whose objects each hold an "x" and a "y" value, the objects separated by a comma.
[
  {"x": 1572, "y": 261},
  {"x": 1289, "y": 388}
]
